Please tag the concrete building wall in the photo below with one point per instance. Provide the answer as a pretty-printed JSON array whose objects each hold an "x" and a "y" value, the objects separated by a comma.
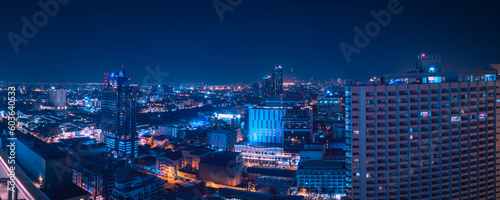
[{"x": 423, "y": 141}]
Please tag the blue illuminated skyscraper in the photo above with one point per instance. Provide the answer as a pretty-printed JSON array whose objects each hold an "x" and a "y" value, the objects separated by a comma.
[
  {"x": 264, "y": 123},
  {"x": 118, "y": 115}
]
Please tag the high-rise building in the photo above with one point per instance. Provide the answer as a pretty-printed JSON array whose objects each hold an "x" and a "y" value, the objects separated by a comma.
[
  {"x": 264, "y": 123},
  {"x": 272, "y": 85},
  {"x": 118, "y": 115},
  {"x": 429, "y": 135},
  {"x": 277, "y": 80},
  {"x": 57, "y": 98},
  {"x": 222, "y": 139},
  {"x": 256, "y": 89},
  {"x": 267, "y": 86},
  {"x": 297, "y": 124}
]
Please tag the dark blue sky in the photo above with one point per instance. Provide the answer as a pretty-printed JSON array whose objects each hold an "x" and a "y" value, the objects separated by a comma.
[{"x": 186, "y": 37}]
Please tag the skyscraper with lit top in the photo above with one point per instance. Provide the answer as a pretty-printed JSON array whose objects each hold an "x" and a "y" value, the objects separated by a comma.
[
  {"x": 277, "y": 80},
  {"x": 118, "y": 115}
]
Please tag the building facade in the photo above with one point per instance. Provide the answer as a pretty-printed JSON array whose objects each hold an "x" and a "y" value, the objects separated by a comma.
[
  {"x": 264, "y": 123},
  {"x": 424, "y": 136},
  {"x": 95, "y": 175},
  {"x": 118, "y": 115},
  {"x": 57, "y": 98},
  {"x": 330, "y": 105},
  {"x": 222, "y": 139},
  {"x": 321, "y": 177},
  {"x": 297, "y": 124},
  {"x": 171, "y": 129},
  {"x": 267, "y": 155},
  {"x": 169, "y": 164},
  {"x": 145, "y": 188}
]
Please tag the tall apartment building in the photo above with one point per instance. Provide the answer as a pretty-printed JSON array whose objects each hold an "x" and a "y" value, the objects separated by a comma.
[
  {"x": 272, "y": 85},
  {"x": 424, "y": 135},
  {"x": 118, "y": 115},
  {"x": 277, "y": 80},
  {"x": 267, "y": 85}
]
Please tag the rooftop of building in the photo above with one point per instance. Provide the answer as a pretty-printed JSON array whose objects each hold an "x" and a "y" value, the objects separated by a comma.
[
  {"x": 414, "y": 76},
  {"x": 172, "y": 155},
  {"x": 135, "y": 183},
  {"x": 223, "y": 159},
  {"x": 147, "y": 161},
  {"x": 226, "y": 192},
  {"x": 271, "y": 171},
  {"x": 199, "y": 152},
  {"x": 267, "y": 183},
  {"x": 69, "y": 191},
  {"x": 260, "y": 144},
  {"x": 320, "y": 164},
  {"x": 45, "y": 150},
  {"x": 335, "y": 152},
  {"x": 223, "y": 131},
  {"x": 72, "y": 141}
]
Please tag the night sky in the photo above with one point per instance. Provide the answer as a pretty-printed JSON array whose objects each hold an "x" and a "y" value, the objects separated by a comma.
[{"x": 189, "y": 41}]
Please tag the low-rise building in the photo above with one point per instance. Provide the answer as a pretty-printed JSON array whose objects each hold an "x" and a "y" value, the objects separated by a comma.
[
  {"x": 145, "y": 188},
  {"x": 222, "y": 168},
  {"x": 169, "y": 163},
  {"x": 321, "y": 177},
  {"x": 95, "y": 175},
  {"x": 171, "y": 129},
  {"x": 267, "y": 155}
]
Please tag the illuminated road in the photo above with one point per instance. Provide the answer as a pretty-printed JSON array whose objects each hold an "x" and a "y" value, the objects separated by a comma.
[
  {"x": 24, "y": 185},
  {"x": 208, "y": 183}
]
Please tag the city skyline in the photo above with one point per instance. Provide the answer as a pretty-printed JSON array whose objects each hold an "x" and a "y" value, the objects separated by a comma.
[{"x": 240, "y": 99}]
